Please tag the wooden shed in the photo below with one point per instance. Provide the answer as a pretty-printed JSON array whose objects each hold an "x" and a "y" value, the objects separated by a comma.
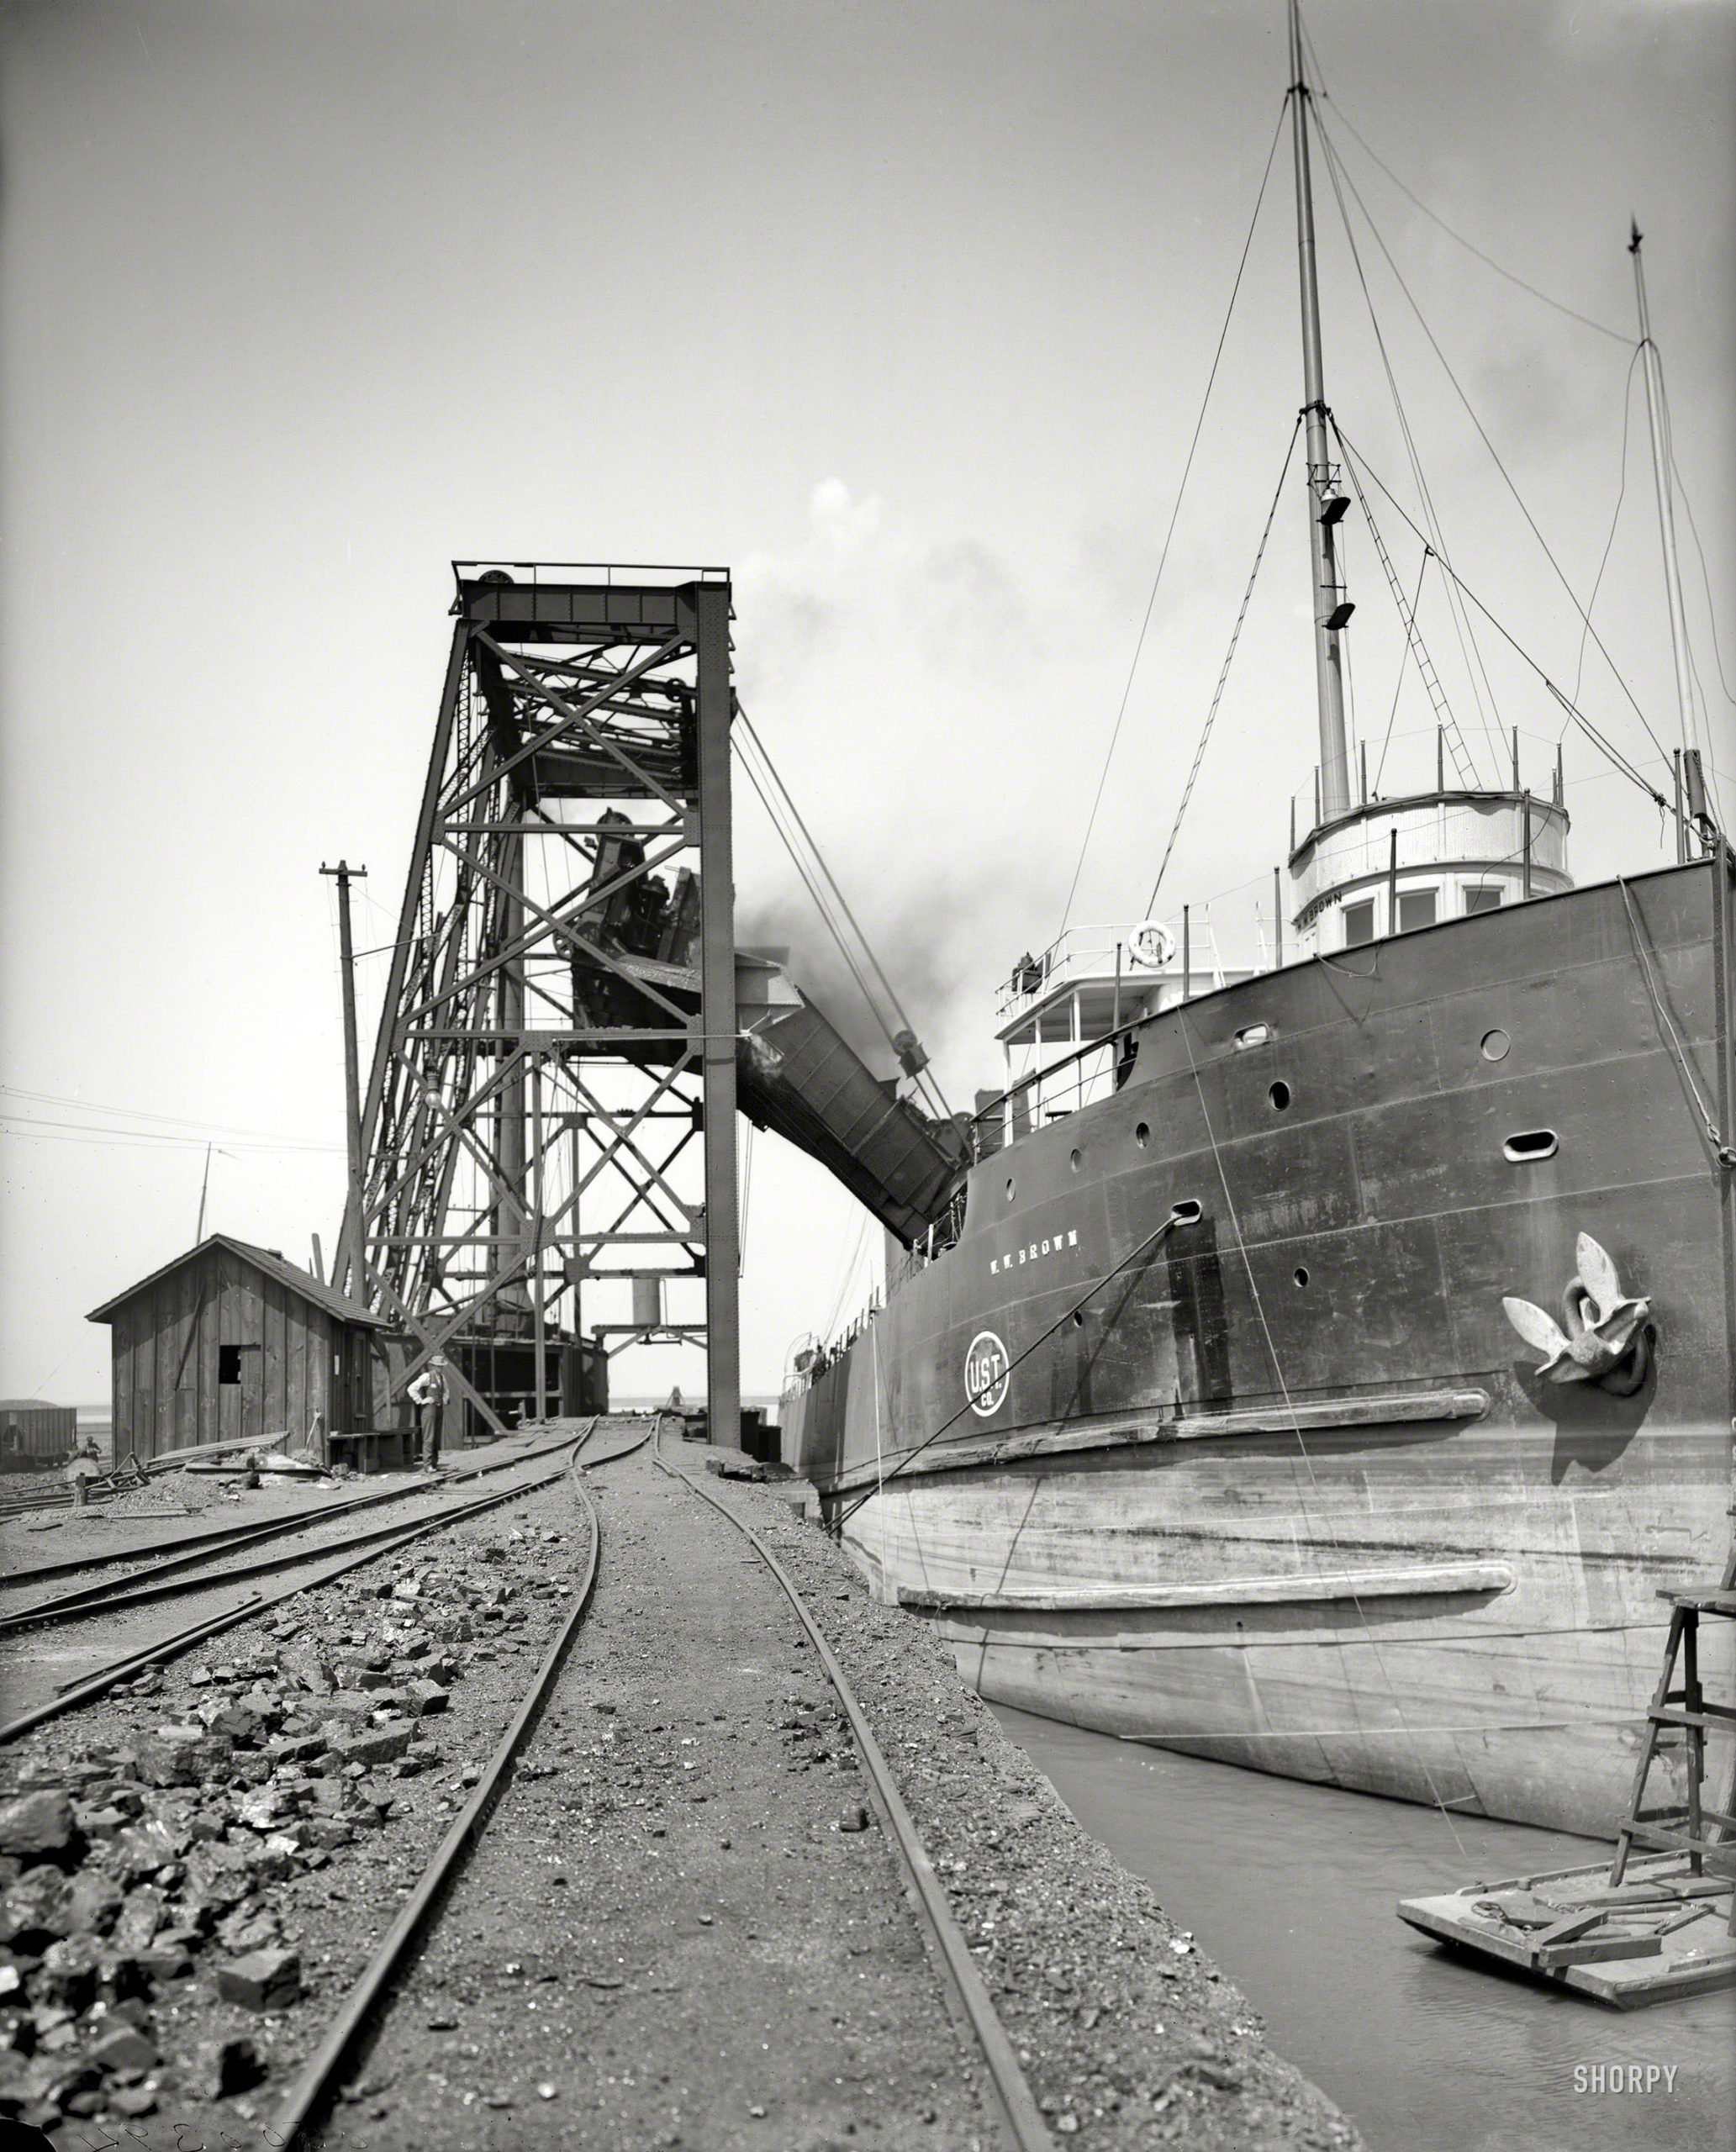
[{"x": 231, "y": 1342}]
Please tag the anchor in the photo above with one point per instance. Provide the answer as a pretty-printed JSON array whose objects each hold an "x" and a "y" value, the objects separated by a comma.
[{"x": 1607, "y": 1337}]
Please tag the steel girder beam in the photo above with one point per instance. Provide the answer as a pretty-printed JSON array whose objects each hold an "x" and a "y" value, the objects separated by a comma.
[{"x": 559, "y": 1021}]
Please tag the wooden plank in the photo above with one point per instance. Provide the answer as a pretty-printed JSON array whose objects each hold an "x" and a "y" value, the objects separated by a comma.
[
  {"x": 274, "y": 1398},
  {"x": 144, "y": 1390},
  {"x": 120, "y": 1381},
  {"x": 1594, "y": 1949},
  {"x": 210, "y": 1323},
  {"x": 298, "y": 1406}
]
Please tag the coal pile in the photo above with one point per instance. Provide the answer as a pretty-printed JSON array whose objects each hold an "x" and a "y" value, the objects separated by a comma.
[{"x": 176, "y": 1864}]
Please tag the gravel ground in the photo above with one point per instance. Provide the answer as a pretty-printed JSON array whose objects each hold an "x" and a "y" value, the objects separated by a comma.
[
  {"x": 270, "y": 1843},
  {"x": 1129, "y": 2036},
  {"x": 138, "y": 1521},
  {"x": 676, "y": 1931},
  {"x": 35, "y": 1663}
]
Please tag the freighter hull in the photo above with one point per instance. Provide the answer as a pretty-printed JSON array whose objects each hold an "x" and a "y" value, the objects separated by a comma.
[{"x": 1282, "y": 1486}]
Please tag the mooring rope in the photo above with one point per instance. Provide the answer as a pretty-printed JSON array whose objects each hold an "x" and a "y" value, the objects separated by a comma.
[{"x": 1259, "y": 1309}]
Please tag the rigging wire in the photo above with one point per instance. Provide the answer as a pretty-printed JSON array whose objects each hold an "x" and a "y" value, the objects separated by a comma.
[
  {"x": 1605, "y": 746},
  {"x": 1404, "y": 659},
  {"x": 924, "y": 1078},
  {"x": 761, "y": 787},
  {"x": 1705, "y": 577},
  {"x": 1217, "y": 696},
  {"x": 1470, "y": 246},
  {"x": 1579, "y": 670},
  {"x": 1259, "y": 1309},
  {"x": 1468, "y": 649},
  {"x": 1689, "y": 726},
  {"x": 1168, "y": 534},
  {"x": 1495, "y": 457}
]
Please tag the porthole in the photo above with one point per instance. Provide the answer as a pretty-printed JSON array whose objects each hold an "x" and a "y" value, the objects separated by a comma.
[
  {"x": 1279, "y": 1095},
  {"x": 1251, "y": 1035},
  {"x": 1079, "y": 1320},
  {"x": 1074, "y": 1160},
  {"x": 1495, "y": 1045},
  {"x": 1141, "y": 1134},
  {"x": 1530, "y": 1144},
  {"x": 1300, "y": 1274},
  {"x": 1011, "y": 1189}
]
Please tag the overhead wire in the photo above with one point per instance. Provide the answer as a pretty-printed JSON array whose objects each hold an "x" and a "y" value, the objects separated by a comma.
[
  {"x": 1168, "y": 534},
  {"x": 193, "y": 1132}
]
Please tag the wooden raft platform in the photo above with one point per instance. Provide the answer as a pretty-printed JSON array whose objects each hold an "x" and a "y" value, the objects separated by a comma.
[{"x": 1661, "y": 1933}]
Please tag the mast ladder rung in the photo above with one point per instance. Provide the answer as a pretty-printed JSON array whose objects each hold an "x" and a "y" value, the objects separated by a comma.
[{"x": 1463, "y": 766}]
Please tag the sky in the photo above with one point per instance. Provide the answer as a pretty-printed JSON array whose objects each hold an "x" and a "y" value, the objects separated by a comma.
[{"x": 906, "y": 314}]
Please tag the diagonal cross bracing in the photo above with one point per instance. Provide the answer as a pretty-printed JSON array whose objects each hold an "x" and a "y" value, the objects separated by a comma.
[{"x": 559, "y": 1022}]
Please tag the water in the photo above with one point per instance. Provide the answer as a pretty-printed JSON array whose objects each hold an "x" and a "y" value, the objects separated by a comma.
[{"x": 1290, "y": 1889}]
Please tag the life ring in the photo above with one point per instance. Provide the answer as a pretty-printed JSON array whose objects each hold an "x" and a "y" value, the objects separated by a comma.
[{"x": 1152, "y": 946}]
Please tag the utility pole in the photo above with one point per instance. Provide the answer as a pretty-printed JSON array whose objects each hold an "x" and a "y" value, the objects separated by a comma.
[
  {"x": 348, "y": 1242},
  {"x": 200, "y": 1229}
]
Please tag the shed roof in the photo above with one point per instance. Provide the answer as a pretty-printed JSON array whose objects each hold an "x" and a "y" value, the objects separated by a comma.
[{"x": 292, "y": 1275}]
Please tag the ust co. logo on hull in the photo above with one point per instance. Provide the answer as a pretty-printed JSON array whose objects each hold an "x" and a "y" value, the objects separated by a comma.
[{"x": 987, "y": 1371}]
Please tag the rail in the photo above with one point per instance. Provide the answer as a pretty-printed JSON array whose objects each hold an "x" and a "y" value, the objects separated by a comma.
[
  {"x": 209, "y": 1546},
  {"x": 310, "y": 2096},
  {"x": 89, "y": 1687},
  {"x": 1013, "y": 2096}
]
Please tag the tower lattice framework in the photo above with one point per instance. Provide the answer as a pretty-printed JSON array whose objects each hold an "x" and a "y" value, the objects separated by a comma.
[{"x": 549, "y": 1124}]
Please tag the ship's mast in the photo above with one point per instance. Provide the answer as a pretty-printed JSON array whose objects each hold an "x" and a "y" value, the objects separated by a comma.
[
  {"x": 1331, "y": 607},
  {"x": 1666, "y": 507}
]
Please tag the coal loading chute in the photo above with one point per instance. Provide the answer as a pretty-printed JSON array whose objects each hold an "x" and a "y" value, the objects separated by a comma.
[{"x": 798, "y": 1077}]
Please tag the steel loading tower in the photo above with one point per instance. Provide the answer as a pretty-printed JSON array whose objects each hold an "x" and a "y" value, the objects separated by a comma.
[{"x": 548, "y": 1130}]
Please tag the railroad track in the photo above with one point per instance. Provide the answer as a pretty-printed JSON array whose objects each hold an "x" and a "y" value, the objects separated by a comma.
[
  {"x": 331, "y": 1561},
  {"x": 179, "y": 1573},
  {"x": 310, "y": 2098},
  {"x": 215, "y": 1537},
  {"x": 299, "y": 2117},
  {"x": 1019, "y": 2112}
]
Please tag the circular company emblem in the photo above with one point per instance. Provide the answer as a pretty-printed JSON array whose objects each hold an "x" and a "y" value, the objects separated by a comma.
[{"x": 988, "y": 1372}]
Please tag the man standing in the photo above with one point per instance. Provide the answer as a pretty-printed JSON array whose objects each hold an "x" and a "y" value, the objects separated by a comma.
[
  {"x": 429, "y": 1393},
  {"x": 84, "y": 1465}
]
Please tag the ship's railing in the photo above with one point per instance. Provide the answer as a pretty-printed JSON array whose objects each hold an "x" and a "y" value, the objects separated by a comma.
[
  {"x": 1089, "y": 1073},
  {"x": 1094, "y": 953}
]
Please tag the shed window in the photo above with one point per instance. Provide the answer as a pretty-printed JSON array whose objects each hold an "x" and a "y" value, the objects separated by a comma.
[
  {"x": 1358, "y": 925},
  {"x": 228, "y": 1363}
]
